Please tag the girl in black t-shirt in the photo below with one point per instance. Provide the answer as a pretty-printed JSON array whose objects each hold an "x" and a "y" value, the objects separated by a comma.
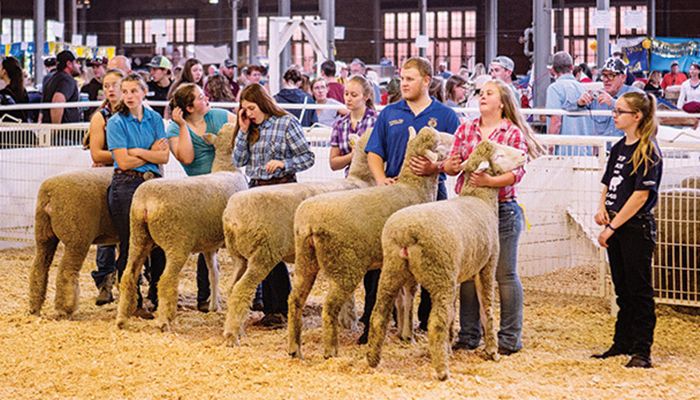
[{"x": 630, "y": 186}]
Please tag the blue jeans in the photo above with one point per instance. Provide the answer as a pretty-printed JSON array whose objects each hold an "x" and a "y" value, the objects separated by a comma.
[
  {"x": 106, "y": 263},
  {"x": 510, "y": 225}
]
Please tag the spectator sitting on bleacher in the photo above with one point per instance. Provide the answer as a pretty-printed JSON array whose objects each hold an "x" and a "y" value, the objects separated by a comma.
[
  {"x": 673, "y": 78},
  {"x": 689, "y": 99}
]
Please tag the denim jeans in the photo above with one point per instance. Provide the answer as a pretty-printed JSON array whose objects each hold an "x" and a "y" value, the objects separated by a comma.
[
  {"x": 630, "y": 251},
  {"x": 120, "y": 195},
  {"x": 510, "y": 225},
  {"x": 106, "y": 263}
]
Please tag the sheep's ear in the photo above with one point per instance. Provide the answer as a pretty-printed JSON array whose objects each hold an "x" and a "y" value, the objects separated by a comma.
[
  {"x": 431, "y": 155},
  {"x": 411, "y": 133},
  {"x": 353, "y": 139},
  {"x": 209, "y": 138},
  {"x": 483, "y": 166}
]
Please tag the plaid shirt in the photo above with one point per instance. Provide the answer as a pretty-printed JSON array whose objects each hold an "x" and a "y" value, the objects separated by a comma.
[
  {"x": 342, "y": 129},
  {"x": 281, "y": 138},
  {"x": 468, "y": 135}
]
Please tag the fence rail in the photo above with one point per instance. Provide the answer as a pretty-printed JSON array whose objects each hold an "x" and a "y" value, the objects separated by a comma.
[{"x": 558, "y": 251}]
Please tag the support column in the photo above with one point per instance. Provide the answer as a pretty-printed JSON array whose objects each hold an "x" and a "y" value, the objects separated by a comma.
[
  {"x": 253, "y": 12},
  {"x": 378, "y": 30},
  {"x": 62, "y": 11},
  {"x": 423, "y": 24},
  {"x": 326, "y": 9},
  {"x": 491, "y": 31},
  {"x": 234, "y": 34},
  {"x": 284, "y": 8},
  {"x": 603, "y": 35},
  {"x": 559, "y": 26},
  {"x": 542, "y": 10},
  {"x": 39, "y": 39},
  {"x": 73, "y": 19},
  {"x": 651, "y": 18}
]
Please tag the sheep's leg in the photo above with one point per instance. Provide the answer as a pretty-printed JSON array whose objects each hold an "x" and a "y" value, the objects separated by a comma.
[
  {"x": 338, "y": 294},
  {"x": 485, "y": 287},
  {"x": 39, "y": 274},
  {"x": 167, "y": 288},
  {"x": 395, "y": 274},
  {"x": 67, "y": 288},
  {"x": 438, "y": 327},
  {"x": 305, "y": 273},
  {"x": 138, "y": 252},
  {"x": 404, "y": 310},
  {"x": 213, "y": 267},
  {"x": 259, "y": 266},
  {"x": 348, "y": 315}
]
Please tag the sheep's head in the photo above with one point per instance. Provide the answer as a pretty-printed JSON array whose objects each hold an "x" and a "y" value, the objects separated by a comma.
[
  {"x": 429, "y": 143},
  {"x": 358, "y": 142},
  {"x": 494, "y": 158},
  {"x": 224, "y": 139}
]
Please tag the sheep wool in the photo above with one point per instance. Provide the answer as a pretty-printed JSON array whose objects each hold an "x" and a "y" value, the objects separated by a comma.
[
  {"x": 439, "y": 246},
  {"x": 71, "y": 208},
  {"x": 340, "y": 233},
  {"x": 182, "y": 216},
  {"x": 259, "y": 231}
]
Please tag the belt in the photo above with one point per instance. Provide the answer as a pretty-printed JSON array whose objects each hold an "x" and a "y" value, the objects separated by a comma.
[
  {"x": 143, "y": 175},
  {"x": 274, "y": 181},
  {"x": 644, "y": 215}
]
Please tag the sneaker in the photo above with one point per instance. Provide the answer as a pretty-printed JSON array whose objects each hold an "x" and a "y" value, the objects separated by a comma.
[
  {"x": 257, "y": 305},
  {"x": 203, "y": 306},
  {"x": 363, "y": 338},
  {"x": 273, "y": 321},
  {"x": 639, "y": 361},
  {"x": 506, "y": 352},
  {"x": 611, "y": 352},
  {"x": 463, "y": 346},
  {"x": 105, "y": 294}
]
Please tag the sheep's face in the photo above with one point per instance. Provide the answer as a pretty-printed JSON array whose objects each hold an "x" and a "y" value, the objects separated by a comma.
[
  {"x": 505, "y": 158},
  {"x": 431, "y": 144},
  {"x": 224, "y": 139}
]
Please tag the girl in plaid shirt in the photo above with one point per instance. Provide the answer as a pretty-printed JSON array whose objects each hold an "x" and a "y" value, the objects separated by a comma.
[
  {"x": 358, "y": 99},
  {"x": 502, "y": 123}
]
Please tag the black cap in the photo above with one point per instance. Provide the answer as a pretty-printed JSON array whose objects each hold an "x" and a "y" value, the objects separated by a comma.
[
  {"x": 50, "y": 62},
  {"x": 228, "y": 63},
  {"x": 65, "y": 56},
  {"x": 97, "y": 61}
]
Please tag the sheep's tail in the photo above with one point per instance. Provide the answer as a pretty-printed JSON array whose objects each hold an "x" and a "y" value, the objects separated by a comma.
[{"x": 46, "y": 244}]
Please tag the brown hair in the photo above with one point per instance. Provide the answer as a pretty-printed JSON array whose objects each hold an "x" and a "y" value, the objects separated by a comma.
[
  {"x": 511, "y": 113},
  {"x": 257, "y": 94},
  {"x": 185, "y": 75},
  {"x": 112, "y": 71},
  {"x": 183, "y": 97},
  {"x": 367, "y": 90},
  {"x": 436, "y": 89},
  {"x": 218, "y": 88},
  {"x": 132, "y": 77},
  {"x": 453, "y": 82},
  {"x": 644, "y": 103},
  {"x": 421, "y": 64}
]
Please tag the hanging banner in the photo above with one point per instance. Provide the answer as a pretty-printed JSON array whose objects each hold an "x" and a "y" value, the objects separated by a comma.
[{"x": 637, "y": 58}]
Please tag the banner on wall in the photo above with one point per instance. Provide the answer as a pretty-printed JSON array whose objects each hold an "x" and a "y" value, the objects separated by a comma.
[{"x": 637, "y": 58}]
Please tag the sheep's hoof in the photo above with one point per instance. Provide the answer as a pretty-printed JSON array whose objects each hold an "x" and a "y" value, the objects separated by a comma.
[
  {"x": 443, "y": 375},
  {"x": 363, "y": 338},
  {"x": 492, "y": 355},
  {"x": 373, "y": 359},
  {"x": 121, "y": 323},
  {"x": 214, "y": 306},
  {"x": 60, "y": 314},
  {"x": 231, "y": 340},
  {"x": 330, "y": 353},
  {"x": 295, "y": 354},
  {"x": 164, "y": 326}
]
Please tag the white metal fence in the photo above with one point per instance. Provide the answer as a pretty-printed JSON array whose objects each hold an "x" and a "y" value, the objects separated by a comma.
[{"x": 558, "y": 251}]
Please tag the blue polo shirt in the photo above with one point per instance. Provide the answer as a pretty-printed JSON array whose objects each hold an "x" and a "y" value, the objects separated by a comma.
[
  {"x": 605, "y": 126},
  {"x": 390, "y": 134},
  {"x": 563, "y": 94},
  {"x": 203, "y": 151},
  {"x": 127, "y": 132}
]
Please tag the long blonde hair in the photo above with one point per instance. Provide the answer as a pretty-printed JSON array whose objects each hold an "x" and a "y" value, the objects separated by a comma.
[
  {"x": 646, "y": 130},
  {"x": 511, "y": 113}
]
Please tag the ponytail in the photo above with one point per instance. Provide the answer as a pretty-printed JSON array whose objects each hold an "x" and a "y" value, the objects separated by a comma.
[
  {"x": 367, "y": 89},
  {"x": 646, "y": 130}
]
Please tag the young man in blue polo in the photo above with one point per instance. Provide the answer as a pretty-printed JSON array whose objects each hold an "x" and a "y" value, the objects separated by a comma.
[{"x": 388, "y": 144}]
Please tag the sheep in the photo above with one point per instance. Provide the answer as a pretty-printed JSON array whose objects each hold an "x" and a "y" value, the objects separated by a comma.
[
  {"x": 181, "y": 216},
  {"x": 340, "y": 233},
  {"x": 259, "y": 231},
  {"x": 441, "y": 245},
  {"x": 71, "y": 208}
]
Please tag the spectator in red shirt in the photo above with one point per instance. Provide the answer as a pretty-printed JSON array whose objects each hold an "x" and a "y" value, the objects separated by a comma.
[
  {"x": 675, "y": 77},
  {"x": 335, "y": 90}
]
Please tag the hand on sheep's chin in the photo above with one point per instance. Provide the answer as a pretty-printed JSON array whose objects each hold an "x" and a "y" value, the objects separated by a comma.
[
  {"x": 480, "y": 179},
  {"x": 422, "y": 166}
]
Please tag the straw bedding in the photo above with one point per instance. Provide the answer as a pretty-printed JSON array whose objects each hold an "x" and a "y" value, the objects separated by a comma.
[{"x": 87, "y": 358}]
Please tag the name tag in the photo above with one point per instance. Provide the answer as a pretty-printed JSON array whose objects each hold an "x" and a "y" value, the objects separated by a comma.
[{"x": 396, "y": 122}]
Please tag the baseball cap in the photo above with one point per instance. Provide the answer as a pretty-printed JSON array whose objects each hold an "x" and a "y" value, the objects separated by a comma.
[
  {"x": 228, "y": 63},
  {"x": 97, "y": 61},
  {"x": 615, "y": 65},
  {"x": 65, "y": 56},
  {"x": 160, "y": 62},
  {"x": 505, "y": 62},
  {"x": 674, "y": 63},
  {"x": 50, "y": 61},
  {"x": 480, "y": 80}
]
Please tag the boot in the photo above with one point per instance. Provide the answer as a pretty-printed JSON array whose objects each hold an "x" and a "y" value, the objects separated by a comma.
[{"x": 105, "y": 294}]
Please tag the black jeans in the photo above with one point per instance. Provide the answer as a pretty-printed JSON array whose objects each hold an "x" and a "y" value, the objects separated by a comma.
[
  {"x": 276, "y": 286},
  {"x": 203, "y": 288},
  {"x": 630, "y": 251},
  {"x": 120, "y": 196}
]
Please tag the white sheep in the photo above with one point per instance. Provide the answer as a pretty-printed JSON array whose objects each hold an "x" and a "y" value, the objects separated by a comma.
[
  {"x": 441, "y": 245},
  {"x": 71, "y": 208},
  {"x": 259, "y": 231},
  {"x": 182, "y": 216},
  {"x": 340, "y": 233}
]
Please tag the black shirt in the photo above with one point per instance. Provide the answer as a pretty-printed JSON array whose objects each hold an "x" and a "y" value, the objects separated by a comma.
[
  {"x": 63, "y": 83},
  {"x": 622, "y": 183},
  {"x": 93, "y": 89},
  {"x": 8, "y": 98},
  {"x": 159, "y": 93}
]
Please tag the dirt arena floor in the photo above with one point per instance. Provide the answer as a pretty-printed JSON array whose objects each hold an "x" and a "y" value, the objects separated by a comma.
[{"x": 88, "y": 358}]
